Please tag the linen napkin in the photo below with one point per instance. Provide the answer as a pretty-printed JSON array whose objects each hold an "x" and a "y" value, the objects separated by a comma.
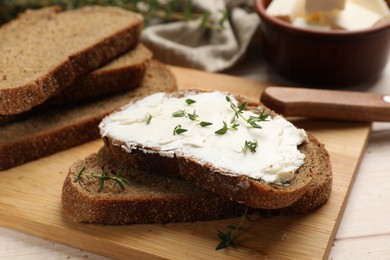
[{"x": 188, "y": 44}]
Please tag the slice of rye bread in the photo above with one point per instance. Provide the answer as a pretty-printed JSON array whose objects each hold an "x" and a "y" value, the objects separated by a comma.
[
  {"x": 145, "y": 198},
  {"x": 252, "y": 192},
  {"x": 151, "y": 198},
  {"x": 64, "y": 127},
  {"x": 44, "y": 50},
  {"x": 123, "y": 73}
]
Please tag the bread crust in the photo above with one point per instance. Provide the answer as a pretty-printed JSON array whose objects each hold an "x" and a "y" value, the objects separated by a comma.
[
  {"x": 251, "y": 192},
  {"x": 64, "y": 127},
  {"x": 36, "y": 88},
  {"x": 319, "y": 189}
]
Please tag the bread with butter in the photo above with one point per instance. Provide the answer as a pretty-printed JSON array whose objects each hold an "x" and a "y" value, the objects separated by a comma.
[
  {"x": 43, "y": 51},
  {"x": 63, "y": 127},
  {"x": 253, "y": 192}
]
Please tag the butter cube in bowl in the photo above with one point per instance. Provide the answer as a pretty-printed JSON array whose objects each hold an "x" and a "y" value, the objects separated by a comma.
[{"x": 326, "y": 43}]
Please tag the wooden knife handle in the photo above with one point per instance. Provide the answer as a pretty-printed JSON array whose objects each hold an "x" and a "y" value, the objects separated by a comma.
[{"x": 331, "y": 104}]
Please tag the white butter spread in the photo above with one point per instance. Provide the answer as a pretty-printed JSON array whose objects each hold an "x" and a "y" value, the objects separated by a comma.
[
  {"x": 275, "y": 160},
  {"x": 376, "y": 6},
  {"x": 323, "y": 15},
  {"x": 356, "y": 17},
  {"x": 286, "y": 10}
]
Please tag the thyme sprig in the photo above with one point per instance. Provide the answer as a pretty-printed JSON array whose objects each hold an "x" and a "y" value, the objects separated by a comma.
[
  {"x": 250, "y": 145},
  {"x": 103, "y": 177},
  {"x": 253, "y": 120},
  {"x": 78, "y": 175},
  {"x": 238, "y": 112},
  {"x": 227, "y": 239},
  {"x": 225, "y": 128},
  {"x": 178, "y": 130},
  {"x": 120, "y": 181}
]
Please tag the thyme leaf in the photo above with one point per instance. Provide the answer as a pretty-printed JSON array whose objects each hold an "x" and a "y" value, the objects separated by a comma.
[
  {"x": 225, "y": 128},
  {"x": 149, "y": 119},
  {"x": 178, "y": 130},
  {"x": 179, "y": 113},
  {"x": 204, "y": 124},
  {"x": 250, "y": 145},
  {"x": 234, "y": 126},
  {"x": 78, "y": 176},
  {"x": 226, "y": 239},
  {"x": 120, "y": 182},
  {"x": 193, "y": 116},
  {"x": 190, "y": 101},
  {"x": 222, "y": 130}
]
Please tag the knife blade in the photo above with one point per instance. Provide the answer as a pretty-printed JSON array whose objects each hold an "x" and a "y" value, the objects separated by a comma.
[{"x": 328, "y": 104}]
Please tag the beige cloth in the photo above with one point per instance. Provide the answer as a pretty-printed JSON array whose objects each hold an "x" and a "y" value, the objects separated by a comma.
[{"x": 190, "y": 45}]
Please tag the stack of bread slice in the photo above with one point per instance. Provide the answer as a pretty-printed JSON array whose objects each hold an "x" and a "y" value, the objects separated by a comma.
[
  {"x": 131, "y": 179},
  {"x": 61, "y": 72}
]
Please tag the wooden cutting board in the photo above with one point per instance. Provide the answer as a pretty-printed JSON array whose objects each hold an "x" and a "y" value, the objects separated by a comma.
[{"x": 30, "y": 201}]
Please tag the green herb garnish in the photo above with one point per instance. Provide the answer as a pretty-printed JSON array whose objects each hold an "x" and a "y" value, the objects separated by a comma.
[
  {"x": 234, "y": 126},
  {"x": 190, "y": 101},
  {"x": 250, "y": 145},
  {"x": 253, "y": 120},
  {"x": 104, "y": 177},
  {"x": 204, "y": 124},
  {"x": 149, "y": 119},
  {"x": 179, "y": 113},
  {"x": 227, "y": 239},
  {"x": 178, "y": 130},
  {"x": 222, "y": 130},
  {"x": 238, "y": 112},
  {"x": 154, "y": 11},
  {"x": 225, "y": 128},
  {"x": 78, "y": 176},
  {"x": 193, "y": 116}
]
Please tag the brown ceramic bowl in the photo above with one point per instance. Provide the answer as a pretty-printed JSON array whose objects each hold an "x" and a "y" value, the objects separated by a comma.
[{"x": 331, "y": 59}]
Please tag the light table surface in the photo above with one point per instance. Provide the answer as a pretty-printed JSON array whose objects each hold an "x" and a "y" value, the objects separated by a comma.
[{"x": 364, "y": 232}]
